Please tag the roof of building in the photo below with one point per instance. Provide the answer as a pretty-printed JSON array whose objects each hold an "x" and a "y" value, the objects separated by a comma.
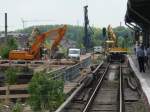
[{"x": 138, "y": 12}]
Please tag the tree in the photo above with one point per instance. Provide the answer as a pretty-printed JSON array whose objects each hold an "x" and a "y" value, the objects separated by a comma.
[
  {"x": 45, "y": 93},
  {"x": 4, "y": 52},
  {"x": 10, "y": 78},
  {"x": 11, "y": 44},
  {"x": 96, "y": 37},
  {"x": 120, "y": 42},
  {"x": 17, "y": 107},
  {"x": 76, "y": 33}
]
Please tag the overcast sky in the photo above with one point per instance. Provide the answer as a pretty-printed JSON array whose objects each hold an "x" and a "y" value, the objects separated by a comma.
[{"x": 101, "y": 12}]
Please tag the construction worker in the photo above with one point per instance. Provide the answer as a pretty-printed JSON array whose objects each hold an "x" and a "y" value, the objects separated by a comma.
[
  {"x": 137, "y": 46},
  {"x": 148, "y": 55},
  {"x": 141, "y": 57}
]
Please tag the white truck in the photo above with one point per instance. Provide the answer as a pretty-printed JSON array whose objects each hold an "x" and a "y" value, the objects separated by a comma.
[{"x": 74, "y": 54}]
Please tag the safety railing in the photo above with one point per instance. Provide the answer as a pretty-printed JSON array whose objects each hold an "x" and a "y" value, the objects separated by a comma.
[{"x": 69, "y": 73}]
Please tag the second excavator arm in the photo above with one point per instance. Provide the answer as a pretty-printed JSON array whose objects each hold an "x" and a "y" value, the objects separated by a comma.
[
  {"x": 112, "y": 36},
  {"x": 35, "y": 48}
]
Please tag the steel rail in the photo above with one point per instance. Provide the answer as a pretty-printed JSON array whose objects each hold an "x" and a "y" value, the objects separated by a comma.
[
  {"x": 121, "y": 97},
  {"x": 95, "y": 90},
  {"x": 61, "y": 108},
  {"x": 97, "y": 68}
]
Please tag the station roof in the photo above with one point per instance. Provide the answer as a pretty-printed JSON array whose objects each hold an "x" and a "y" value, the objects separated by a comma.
[{"x": 138, "y": 11}]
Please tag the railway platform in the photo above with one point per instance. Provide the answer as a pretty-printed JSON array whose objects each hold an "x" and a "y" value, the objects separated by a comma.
[{"x": 144, "y": 78}]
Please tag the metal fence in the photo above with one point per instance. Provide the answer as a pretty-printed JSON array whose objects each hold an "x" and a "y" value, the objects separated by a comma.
[
  {"x": 69, "y": 73},
  {"x": 56, "y": 74},
  {"x": 72, "y": 72}
]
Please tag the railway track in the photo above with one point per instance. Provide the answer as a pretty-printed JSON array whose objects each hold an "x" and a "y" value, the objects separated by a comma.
[
  {"x": 79, "y": 101},
  {"x": 102, "y": 94},
  {"x": 108, "y": 95},
  {"x": 111, "y": 90}
]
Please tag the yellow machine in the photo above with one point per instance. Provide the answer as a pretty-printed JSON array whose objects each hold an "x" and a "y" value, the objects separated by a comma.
[
  {"x": 33, "y": 52},
  {"x": 112, "y": 50}
]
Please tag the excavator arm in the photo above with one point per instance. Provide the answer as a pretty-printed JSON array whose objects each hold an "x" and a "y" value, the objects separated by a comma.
[
  {"x": 58, "y": 38},
  {"x": 111, "y": 36},
  {"x": 114, "y": 52},
  {"x": 35, "y": 47},
  {"x": 41, "y": 38}
]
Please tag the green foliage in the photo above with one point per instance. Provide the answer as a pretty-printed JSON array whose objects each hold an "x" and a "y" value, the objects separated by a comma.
[
  {"x": 125, "y": 35},
  {"x": 11, "y": 44},
  {"x": 122, "y": 31},
  {"x": 76, "y": 33},
  {"x": 17, "y": 107},
  {"x": 46, "y": 93},
  {"x": 1, "y": 106},
  {"x": 5, "y": 52},
  {"x": 63, "y": 50},
  {"x": 97, "y": 37},
  {"x": 11, "y": 75},
  {"x": 120, "y": 41},
  {"x": 125, "y": 42}
]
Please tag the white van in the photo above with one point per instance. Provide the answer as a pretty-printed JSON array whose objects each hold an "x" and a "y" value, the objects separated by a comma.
[{"x": 74, "y": 54}]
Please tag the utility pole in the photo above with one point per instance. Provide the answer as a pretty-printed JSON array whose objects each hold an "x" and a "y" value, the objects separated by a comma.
[
  {"x": 86, "y": 38},
  {"x": 6, "y": 25}
]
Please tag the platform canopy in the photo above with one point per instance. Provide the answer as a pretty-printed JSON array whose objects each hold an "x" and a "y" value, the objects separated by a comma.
[{"x": 138, "y": 11}]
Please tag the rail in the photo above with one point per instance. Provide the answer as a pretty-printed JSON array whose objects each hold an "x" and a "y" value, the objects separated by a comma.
[
  {"x": 121, "y": 92},
  {"x": 95, "y": 90},
  {"x": 57, "y": 74},
  {"x": 69, "y": 73},
  {"x": 69, "y": 99},
  {"x": 60, "y": 109},
  {"x": 95, "y": 71},
  {"x": 121, "y": 97}
]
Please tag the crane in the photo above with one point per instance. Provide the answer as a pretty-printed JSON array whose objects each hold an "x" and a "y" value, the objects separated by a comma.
[
  {"x": 33, "y": 21},
  {"x": 33, "y": 52}
]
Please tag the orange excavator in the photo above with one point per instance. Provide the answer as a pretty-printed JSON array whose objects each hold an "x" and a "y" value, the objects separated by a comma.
[{"x": 33, "y": 52}]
